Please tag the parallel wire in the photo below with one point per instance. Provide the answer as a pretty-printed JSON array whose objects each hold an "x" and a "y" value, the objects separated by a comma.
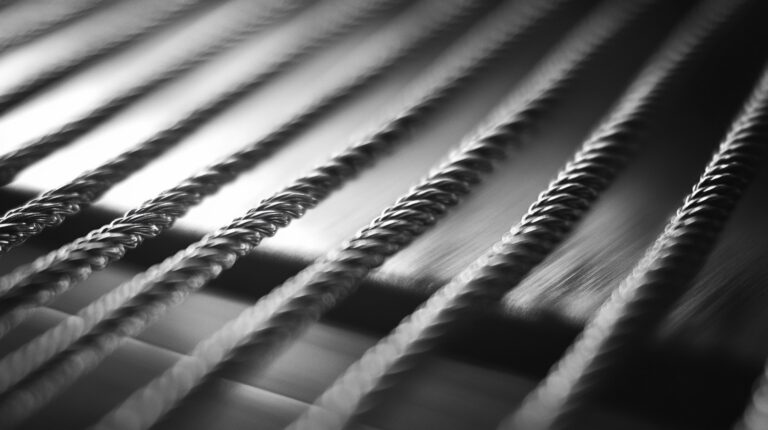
[
  {"x": 71, "y": 14},
  {"x": 40, "y": 281},
  {"x": 527, "y": 244},
  {"x": 642, "y": 299},
  {"x": 666, "y": 271},
  {"x": 74, "y": 262},
  {"x": 171, "y": 281},
  {"x": 506, "y": 263},
  {"x": 15, "y": 161},
  {"x": 280, "y": 315},
  {"x": 52, "y": 207},
  {"x": 168, "y": 15}
]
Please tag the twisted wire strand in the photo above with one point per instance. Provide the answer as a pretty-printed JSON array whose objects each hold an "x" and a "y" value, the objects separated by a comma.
[
  {"x": 280, "y": 315},
  {"x": 12, "y": 163},
  {"x": 665, "y": 272},
  {"x": 168, "y": 15},
  {"x": 69, "y": 15},
  {"x": 548, "y": 221},
  {"x": 190, "y": 269},
  {"x": 77, "y": 260},
  {"x": 52, "y": 207},
  {"x": 527, "y": 244}
]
